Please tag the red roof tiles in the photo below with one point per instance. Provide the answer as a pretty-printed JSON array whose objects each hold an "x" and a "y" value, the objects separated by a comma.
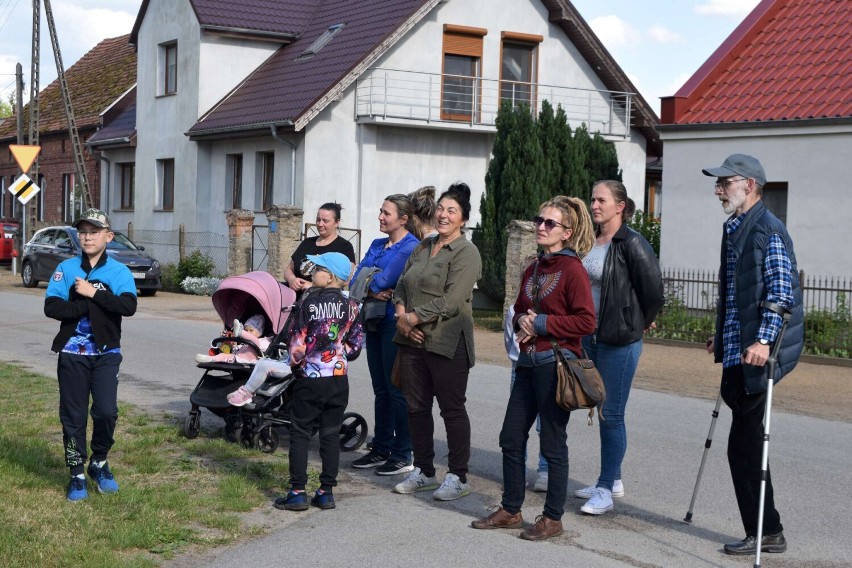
[
  {"x": 788, "y": 60},
  {"x": 95, "y": 81}
]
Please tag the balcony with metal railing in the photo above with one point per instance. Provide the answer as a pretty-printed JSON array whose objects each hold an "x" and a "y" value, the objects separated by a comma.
[{"x": 410, "y": 98}]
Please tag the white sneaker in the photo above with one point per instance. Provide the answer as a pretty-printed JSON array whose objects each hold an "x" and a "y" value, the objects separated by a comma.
[
  {"x": 238, "y": 328},
  {"x": 201, "y": 358},
  {"x": 587, "y": 492},
  {"x": 451, "y": 489},
  {"x": 540, "y": 484},
  {"x": 600, "y": 503},
  {"x": 416, "y": 481}
]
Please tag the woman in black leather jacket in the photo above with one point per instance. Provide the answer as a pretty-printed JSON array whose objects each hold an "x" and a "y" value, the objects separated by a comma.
[{"x": 627, "y": 289}]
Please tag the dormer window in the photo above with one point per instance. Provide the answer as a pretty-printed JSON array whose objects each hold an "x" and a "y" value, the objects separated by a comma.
[{"x": 320, "y": 42}]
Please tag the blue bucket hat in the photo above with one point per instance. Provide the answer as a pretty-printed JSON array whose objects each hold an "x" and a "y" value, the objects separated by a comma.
[{"x": 334, "y": 262}]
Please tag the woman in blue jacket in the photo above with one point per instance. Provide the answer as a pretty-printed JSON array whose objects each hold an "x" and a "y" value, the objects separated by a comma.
[{"x": 391, "y": 447}]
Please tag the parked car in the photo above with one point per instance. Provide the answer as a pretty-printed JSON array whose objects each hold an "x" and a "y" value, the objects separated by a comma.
[
  {"x": 52, "y": 245},
  {"x": 9, "y": 234}
]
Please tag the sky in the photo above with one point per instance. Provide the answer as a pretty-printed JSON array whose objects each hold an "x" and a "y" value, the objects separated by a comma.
[{"x": 658, "y": 43}]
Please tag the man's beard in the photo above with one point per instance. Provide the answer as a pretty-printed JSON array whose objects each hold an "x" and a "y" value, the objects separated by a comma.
[{"x": 734, "y": 201}]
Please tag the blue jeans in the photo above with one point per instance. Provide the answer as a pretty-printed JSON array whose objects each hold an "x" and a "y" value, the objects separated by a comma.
[
  {"x": 542, "y": 463},
  {"x": 391, "y": 435},
  {"x": 534, "y": 393},
  {"x": 617, "y": 365}
]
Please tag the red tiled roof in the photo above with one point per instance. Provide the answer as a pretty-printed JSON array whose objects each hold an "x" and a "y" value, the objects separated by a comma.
[
  {"x": 788, "y": 60},
  {"x": 95, "y": 81},
  {"x": 284, "y": 87}
]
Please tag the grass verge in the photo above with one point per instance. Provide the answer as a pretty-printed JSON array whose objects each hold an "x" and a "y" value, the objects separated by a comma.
[{"x": 175, "y": 493}]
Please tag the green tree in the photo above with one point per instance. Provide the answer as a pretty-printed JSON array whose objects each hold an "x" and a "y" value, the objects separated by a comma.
[{"x": 7, "y": 108}]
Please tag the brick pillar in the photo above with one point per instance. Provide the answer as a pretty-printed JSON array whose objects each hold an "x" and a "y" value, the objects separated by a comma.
[
  {"x": 520, "y": 251},
  {"x": 240, "y": 222},
  {"x": 285, "y": 233}
]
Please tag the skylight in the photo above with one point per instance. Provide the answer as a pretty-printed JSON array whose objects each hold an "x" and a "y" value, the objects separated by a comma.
[{"x": 320, "y": 42}]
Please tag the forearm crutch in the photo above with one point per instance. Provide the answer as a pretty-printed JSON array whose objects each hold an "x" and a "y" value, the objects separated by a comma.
[
  {"x": 707, "y": 444},
  {"x": 764, "y": 460}
]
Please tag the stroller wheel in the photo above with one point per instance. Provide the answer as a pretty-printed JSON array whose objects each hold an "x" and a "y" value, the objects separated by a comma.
[
  {"x": 353, "y": 431},
  {"x": 191, "y": 425},
  {"x": 266, "y": 439}
]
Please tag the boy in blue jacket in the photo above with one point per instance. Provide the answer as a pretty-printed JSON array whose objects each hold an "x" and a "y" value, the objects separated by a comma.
[{"x": 89, "y": 295}]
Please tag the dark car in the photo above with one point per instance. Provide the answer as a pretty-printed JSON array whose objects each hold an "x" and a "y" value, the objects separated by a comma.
[
  {"x": 8, "y": 236},
  {"x": 52, "y": 245}
]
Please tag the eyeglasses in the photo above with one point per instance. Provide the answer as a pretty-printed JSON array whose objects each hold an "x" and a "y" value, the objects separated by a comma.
[
  {"x": 95, "y": 233},
  {"x": 723, "y": 185},
  {"x": 549, "y": 224}
]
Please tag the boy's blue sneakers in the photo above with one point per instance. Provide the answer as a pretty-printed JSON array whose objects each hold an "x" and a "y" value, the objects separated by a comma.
[
  {"x": 103, "y": 478},
  {"x": 77, "y": 489},
  {"x": 293, "y": 501},
  {"x": 323, "y": 500}
]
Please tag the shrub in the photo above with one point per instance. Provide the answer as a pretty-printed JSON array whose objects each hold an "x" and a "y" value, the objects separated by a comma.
[
  {"x": 648, "y": 227},
  {"x": 195, "y": 264},
  {"x": 170, "y": 278}
]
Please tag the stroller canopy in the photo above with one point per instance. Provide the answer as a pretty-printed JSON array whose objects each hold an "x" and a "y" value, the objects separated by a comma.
[{"x": 236, "y": 295}]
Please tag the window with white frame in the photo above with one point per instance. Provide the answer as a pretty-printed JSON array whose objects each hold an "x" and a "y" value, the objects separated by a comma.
[
  {"x": 39, "y": 213},
  {"x": 166, "y": 183},
  {"x": 3, "y": 197},
  {"x": 71, "y": 202}
]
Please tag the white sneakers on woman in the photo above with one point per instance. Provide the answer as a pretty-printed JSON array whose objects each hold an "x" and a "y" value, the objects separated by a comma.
[{"x": 587, "y": 492}]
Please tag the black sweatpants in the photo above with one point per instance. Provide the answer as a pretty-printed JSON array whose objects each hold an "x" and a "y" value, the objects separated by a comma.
[
  {"x": 82, "y": 376},
  {"x": 317, "y": 401},
  {"x": 745, "y": 453}
]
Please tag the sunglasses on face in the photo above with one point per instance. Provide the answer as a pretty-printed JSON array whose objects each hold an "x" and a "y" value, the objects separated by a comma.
[{"x": 549, "y": 224}]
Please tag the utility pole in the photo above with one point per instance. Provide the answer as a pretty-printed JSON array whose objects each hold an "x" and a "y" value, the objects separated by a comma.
[
  {"x": 32, "y": 139},
  {"x": 19, "y": 115},
  {"x": 82, "y": 177}
]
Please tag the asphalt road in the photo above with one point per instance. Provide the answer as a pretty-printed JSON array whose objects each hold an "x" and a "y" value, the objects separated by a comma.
[{"x": 371, "y": 526}]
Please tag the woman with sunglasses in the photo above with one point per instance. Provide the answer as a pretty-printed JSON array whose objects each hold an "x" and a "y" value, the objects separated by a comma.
[
  {"x": 328, "y": 240},
  {"x": 554, "y": 307},
  {"x": 627, "y": 288}
]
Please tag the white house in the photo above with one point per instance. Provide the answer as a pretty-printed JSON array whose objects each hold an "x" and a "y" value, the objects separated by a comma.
[
  {"x": 242, "y": 104},
  {"x": 779, "y": 89}
]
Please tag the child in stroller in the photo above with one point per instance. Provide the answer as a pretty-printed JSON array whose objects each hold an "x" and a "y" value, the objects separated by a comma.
[
  {"x": 256, "y": 423},
  {"x": 251, "y": 331}
]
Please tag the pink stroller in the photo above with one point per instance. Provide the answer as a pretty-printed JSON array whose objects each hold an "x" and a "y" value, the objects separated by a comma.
[{"x": 256, "y": 423}]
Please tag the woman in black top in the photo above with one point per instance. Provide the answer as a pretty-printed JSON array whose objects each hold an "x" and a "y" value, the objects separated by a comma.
[{"x": 329, "y": 240}]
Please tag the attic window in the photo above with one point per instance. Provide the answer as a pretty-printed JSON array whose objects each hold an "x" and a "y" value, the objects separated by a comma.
[{"x": 320, "y": 42}]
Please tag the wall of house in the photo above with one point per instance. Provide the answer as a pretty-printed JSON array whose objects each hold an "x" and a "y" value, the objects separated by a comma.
[
  {"x": 224, "y": 63},
  {"x": 162, "y": 119},
  {"x": 819, "y": 204},
  {"x": 559, "y": 62},
  {"x": 111, "y": 186},
  {"x": 55, "y": 159}
]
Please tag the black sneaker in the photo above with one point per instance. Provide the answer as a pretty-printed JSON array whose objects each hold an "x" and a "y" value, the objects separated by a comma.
[
  {"x": 323, "y": 499},
  {"x": 373, "y": 459},
  {"x": 394, "y": 467}
]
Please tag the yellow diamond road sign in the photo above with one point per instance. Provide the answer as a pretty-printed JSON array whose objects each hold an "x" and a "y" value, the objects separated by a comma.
[{"x": 24, "y": 189}]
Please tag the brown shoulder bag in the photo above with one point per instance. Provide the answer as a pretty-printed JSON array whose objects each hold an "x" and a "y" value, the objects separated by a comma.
[{"x": 578, "y": 384}]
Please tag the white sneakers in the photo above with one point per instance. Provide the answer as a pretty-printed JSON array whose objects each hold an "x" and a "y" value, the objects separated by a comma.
[
  {"x": 600, "y": 502},
  {"x": 416, "y": 481},
  {"x": 540, "y": 484},
  {"x": 451, "y": 489},
  {"x": 587, "y": 492}
]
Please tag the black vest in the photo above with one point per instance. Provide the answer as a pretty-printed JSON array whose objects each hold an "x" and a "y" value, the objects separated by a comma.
[{"x": 749, "y": 242}]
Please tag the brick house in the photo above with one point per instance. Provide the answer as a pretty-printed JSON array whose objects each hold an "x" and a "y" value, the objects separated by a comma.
[{"x": 95, "y": 82}]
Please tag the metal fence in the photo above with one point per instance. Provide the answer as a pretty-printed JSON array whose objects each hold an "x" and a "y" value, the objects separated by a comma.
[
  {"x": 690, "y": 310},
  {"x": 169, "y": 247}
]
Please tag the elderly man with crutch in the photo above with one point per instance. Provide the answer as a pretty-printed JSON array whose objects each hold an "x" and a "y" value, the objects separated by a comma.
[{"x": 759, "y": 310}]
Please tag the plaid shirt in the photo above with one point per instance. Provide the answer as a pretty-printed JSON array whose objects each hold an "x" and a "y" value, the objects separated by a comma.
[{"x": 778, "y": 282}]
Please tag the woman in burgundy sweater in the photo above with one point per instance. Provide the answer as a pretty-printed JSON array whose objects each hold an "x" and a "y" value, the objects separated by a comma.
[{"x": 554, "y": 302}]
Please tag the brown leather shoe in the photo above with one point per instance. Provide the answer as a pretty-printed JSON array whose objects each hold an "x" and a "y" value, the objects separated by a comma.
[
  {"x": 499, "y": 519},
  {"x": 544, "y": 527}
]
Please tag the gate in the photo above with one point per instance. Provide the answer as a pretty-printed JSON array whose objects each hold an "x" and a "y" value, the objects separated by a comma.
[{"x": 259, "y": 247}]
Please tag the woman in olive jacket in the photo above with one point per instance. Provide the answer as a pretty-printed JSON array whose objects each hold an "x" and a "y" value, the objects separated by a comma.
[{"x": 627, "y": 289}]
